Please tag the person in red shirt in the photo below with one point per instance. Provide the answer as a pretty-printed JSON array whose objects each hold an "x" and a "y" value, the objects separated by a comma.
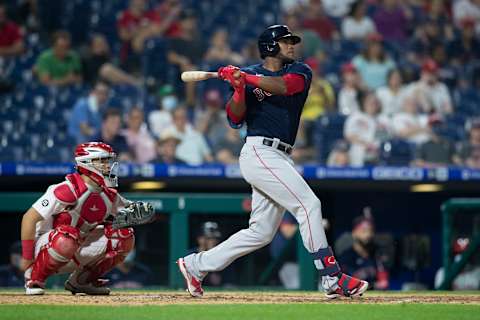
[
  {"x": 133, "y": 22},
  {"x": 316, "y": 20},
  {"x": 137, "y": 24},
  {"x": 11, "y": 39}
]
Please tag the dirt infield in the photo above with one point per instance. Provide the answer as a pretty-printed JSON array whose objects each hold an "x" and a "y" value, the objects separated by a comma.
[{"x": 172, "y": 297}]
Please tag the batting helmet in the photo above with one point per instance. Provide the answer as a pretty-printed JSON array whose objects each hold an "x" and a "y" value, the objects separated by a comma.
[{"x": 268, "y": 40}]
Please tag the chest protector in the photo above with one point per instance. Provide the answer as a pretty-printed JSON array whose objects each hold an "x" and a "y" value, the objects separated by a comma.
[{"x": 86, "y": 208}]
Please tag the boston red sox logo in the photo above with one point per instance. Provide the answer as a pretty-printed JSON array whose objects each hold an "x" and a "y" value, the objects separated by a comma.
[{"x": 260, "y": 94}]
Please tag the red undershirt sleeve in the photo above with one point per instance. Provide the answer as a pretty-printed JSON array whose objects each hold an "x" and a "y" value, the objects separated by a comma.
[{"x": 295, "y": 83}]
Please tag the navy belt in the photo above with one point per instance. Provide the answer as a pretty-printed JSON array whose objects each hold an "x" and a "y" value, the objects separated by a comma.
[{"x": 281, "y": 146}]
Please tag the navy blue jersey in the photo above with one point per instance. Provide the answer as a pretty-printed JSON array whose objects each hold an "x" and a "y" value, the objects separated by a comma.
[{"x": 275, "y": 116}]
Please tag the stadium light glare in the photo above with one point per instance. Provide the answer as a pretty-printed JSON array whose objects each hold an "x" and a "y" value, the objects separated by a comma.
[
  {"x": 148, "y": 185},
  {"x": 426, "y": 187}
]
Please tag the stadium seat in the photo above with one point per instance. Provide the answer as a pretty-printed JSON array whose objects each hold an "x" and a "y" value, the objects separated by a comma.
[
  {"x": 396, "y": 152},
  {"x": 328, "y": 129}
]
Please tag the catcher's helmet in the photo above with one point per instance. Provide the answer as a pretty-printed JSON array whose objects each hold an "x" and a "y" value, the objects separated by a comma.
[
  {"x": 98, "y": 161},
  {"x": 268, "y": 40}
]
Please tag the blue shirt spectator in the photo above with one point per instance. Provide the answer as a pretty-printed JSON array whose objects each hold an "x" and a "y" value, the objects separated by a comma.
[{"x": 86, "y": 119}]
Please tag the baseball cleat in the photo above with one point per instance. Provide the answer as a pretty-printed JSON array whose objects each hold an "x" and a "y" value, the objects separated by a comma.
[
  {"x": 194, "y": 286},
  {"x": 97, "y": 289},
  {"x": 34, "y": 288},
  {"x": 348, "y": 287}
]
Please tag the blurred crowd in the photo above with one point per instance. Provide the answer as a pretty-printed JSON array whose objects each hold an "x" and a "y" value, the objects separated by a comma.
[{"x": 395, "y": 82}]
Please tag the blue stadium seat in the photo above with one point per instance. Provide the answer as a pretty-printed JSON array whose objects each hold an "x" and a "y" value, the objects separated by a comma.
[
  {"x": 396, "y": 152},
  {"x": 328, "y": 129}
]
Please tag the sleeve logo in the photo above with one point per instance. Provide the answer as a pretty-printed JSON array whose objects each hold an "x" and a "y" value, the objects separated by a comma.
[{"x": 45, "y": 202}]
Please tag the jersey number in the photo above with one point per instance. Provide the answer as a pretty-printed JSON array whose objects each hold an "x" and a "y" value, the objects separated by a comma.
[{"x": 260, "y": 94}]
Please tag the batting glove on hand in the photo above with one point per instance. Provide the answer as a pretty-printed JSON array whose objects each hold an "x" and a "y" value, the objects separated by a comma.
[{"x": 232, "y": 75}]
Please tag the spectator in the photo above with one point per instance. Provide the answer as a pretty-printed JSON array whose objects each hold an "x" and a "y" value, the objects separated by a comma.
[
  {"x": 10, "y": 274},
  {"x": 220, "y": 51},
  {"x": 97, "y": 64},
  {"x": 466, "y": 9},
  {"x": 316, "y": 20},
  {"x": 468, "y": 152},
  {"x": 208, "y": 237},
  {"x": 110, "y": 133},
  {"x": 363, "y": 130},
  {"x": 357, "y": 25},
  {"x": 193, "y": 149},
  {"x": 59, "y": 65},
  {"x": 132, "y": 23},
  {"x": 391, "y": 19},
  {"x": 390, "y": 96},
  {"x": 360, "y": 259},
  {"x": 11, "y": 38},
  {"x": 337, "y": 8},
  {"x": 165, "y": 24},
  {"x": 438, "y": 12},
  {"x": 373, "y": 64},
  {"x": 187, "y": 50},
  {"x": 250, "y": 52},
  {"x": 212, "y": 122},
  {"x": 311, "y": 41},
  {"x": 410, "y": 125},
  {"x": 438, "y": 151},
  {"x": 161, "y": 119},
  {"x": 466, "y": 48},
  {"x": 138, "y": 138},
  {"x": 347, "y": 96},
  {"x": 426, "y": 37},
  {"x": 227, "y": 150},
  {"x": 86, "y": 119},
  {"x": 167, "y": 147},
  {"x": 352, "y": 86},
  {"x": 430, "y": 94},
  {"x": 320, "y": 100},
  {"x": 339, "y": 156},
  {"x": 130, "y": 274}
]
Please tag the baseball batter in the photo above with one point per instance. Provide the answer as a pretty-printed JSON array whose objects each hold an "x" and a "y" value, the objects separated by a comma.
[
  {"x": 269, "y": 98},
  {"x": 69, "y": 230}
]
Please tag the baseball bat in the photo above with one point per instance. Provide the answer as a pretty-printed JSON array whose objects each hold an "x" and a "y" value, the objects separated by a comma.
[{"x": 190, "y": 76}]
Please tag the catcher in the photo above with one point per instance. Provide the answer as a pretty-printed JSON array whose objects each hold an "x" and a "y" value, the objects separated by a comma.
[{"x": 81, "y": 226}]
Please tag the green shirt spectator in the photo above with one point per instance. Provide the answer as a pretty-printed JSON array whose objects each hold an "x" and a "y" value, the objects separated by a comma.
[
  {"x": 59, "y": 65},
  {"x": 56, "y": 68}
]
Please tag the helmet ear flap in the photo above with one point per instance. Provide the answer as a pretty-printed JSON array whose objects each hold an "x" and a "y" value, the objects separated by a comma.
[{"x": 272, "y": 48}]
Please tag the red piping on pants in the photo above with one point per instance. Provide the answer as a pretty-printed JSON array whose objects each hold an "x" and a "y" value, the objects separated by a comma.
[{"x": 293, "y": 194}]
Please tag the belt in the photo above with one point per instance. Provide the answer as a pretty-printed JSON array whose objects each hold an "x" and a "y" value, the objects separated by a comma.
[{"x": 280, "y": 146}]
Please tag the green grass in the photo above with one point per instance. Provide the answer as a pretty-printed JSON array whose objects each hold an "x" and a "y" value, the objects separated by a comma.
[{"x": 244, "y": 312}]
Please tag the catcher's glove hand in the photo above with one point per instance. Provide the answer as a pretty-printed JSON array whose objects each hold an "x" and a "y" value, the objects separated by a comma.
[{"x": 134, "y": 214}]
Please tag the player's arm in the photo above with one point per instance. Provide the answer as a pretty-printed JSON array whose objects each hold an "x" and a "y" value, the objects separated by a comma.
[
  {"x": 286, "y": 85},
  {"x": 236, "y": 106},
  {"x": 29, "y": 223}
]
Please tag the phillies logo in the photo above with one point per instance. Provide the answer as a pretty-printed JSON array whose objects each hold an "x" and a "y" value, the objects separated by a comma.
[{"x": 260, "y": 94}]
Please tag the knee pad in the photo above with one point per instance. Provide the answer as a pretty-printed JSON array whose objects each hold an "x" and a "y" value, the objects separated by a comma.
[
  {"x": 64, "y": 241},
  {"x": 120, "y": 241},
  {"x": 62, "y": 245}
]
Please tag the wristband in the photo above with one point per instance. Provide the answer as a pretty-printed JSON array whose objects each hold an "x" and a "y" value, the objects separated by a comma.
[
  {"x": 252, "y": 80},
  {"x": 28, "y": 249}
]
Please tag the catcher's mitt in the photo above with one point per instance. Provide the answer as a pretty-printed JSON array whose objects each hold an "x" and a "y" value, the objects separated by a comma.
[{"x": 134, "y": 214}]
